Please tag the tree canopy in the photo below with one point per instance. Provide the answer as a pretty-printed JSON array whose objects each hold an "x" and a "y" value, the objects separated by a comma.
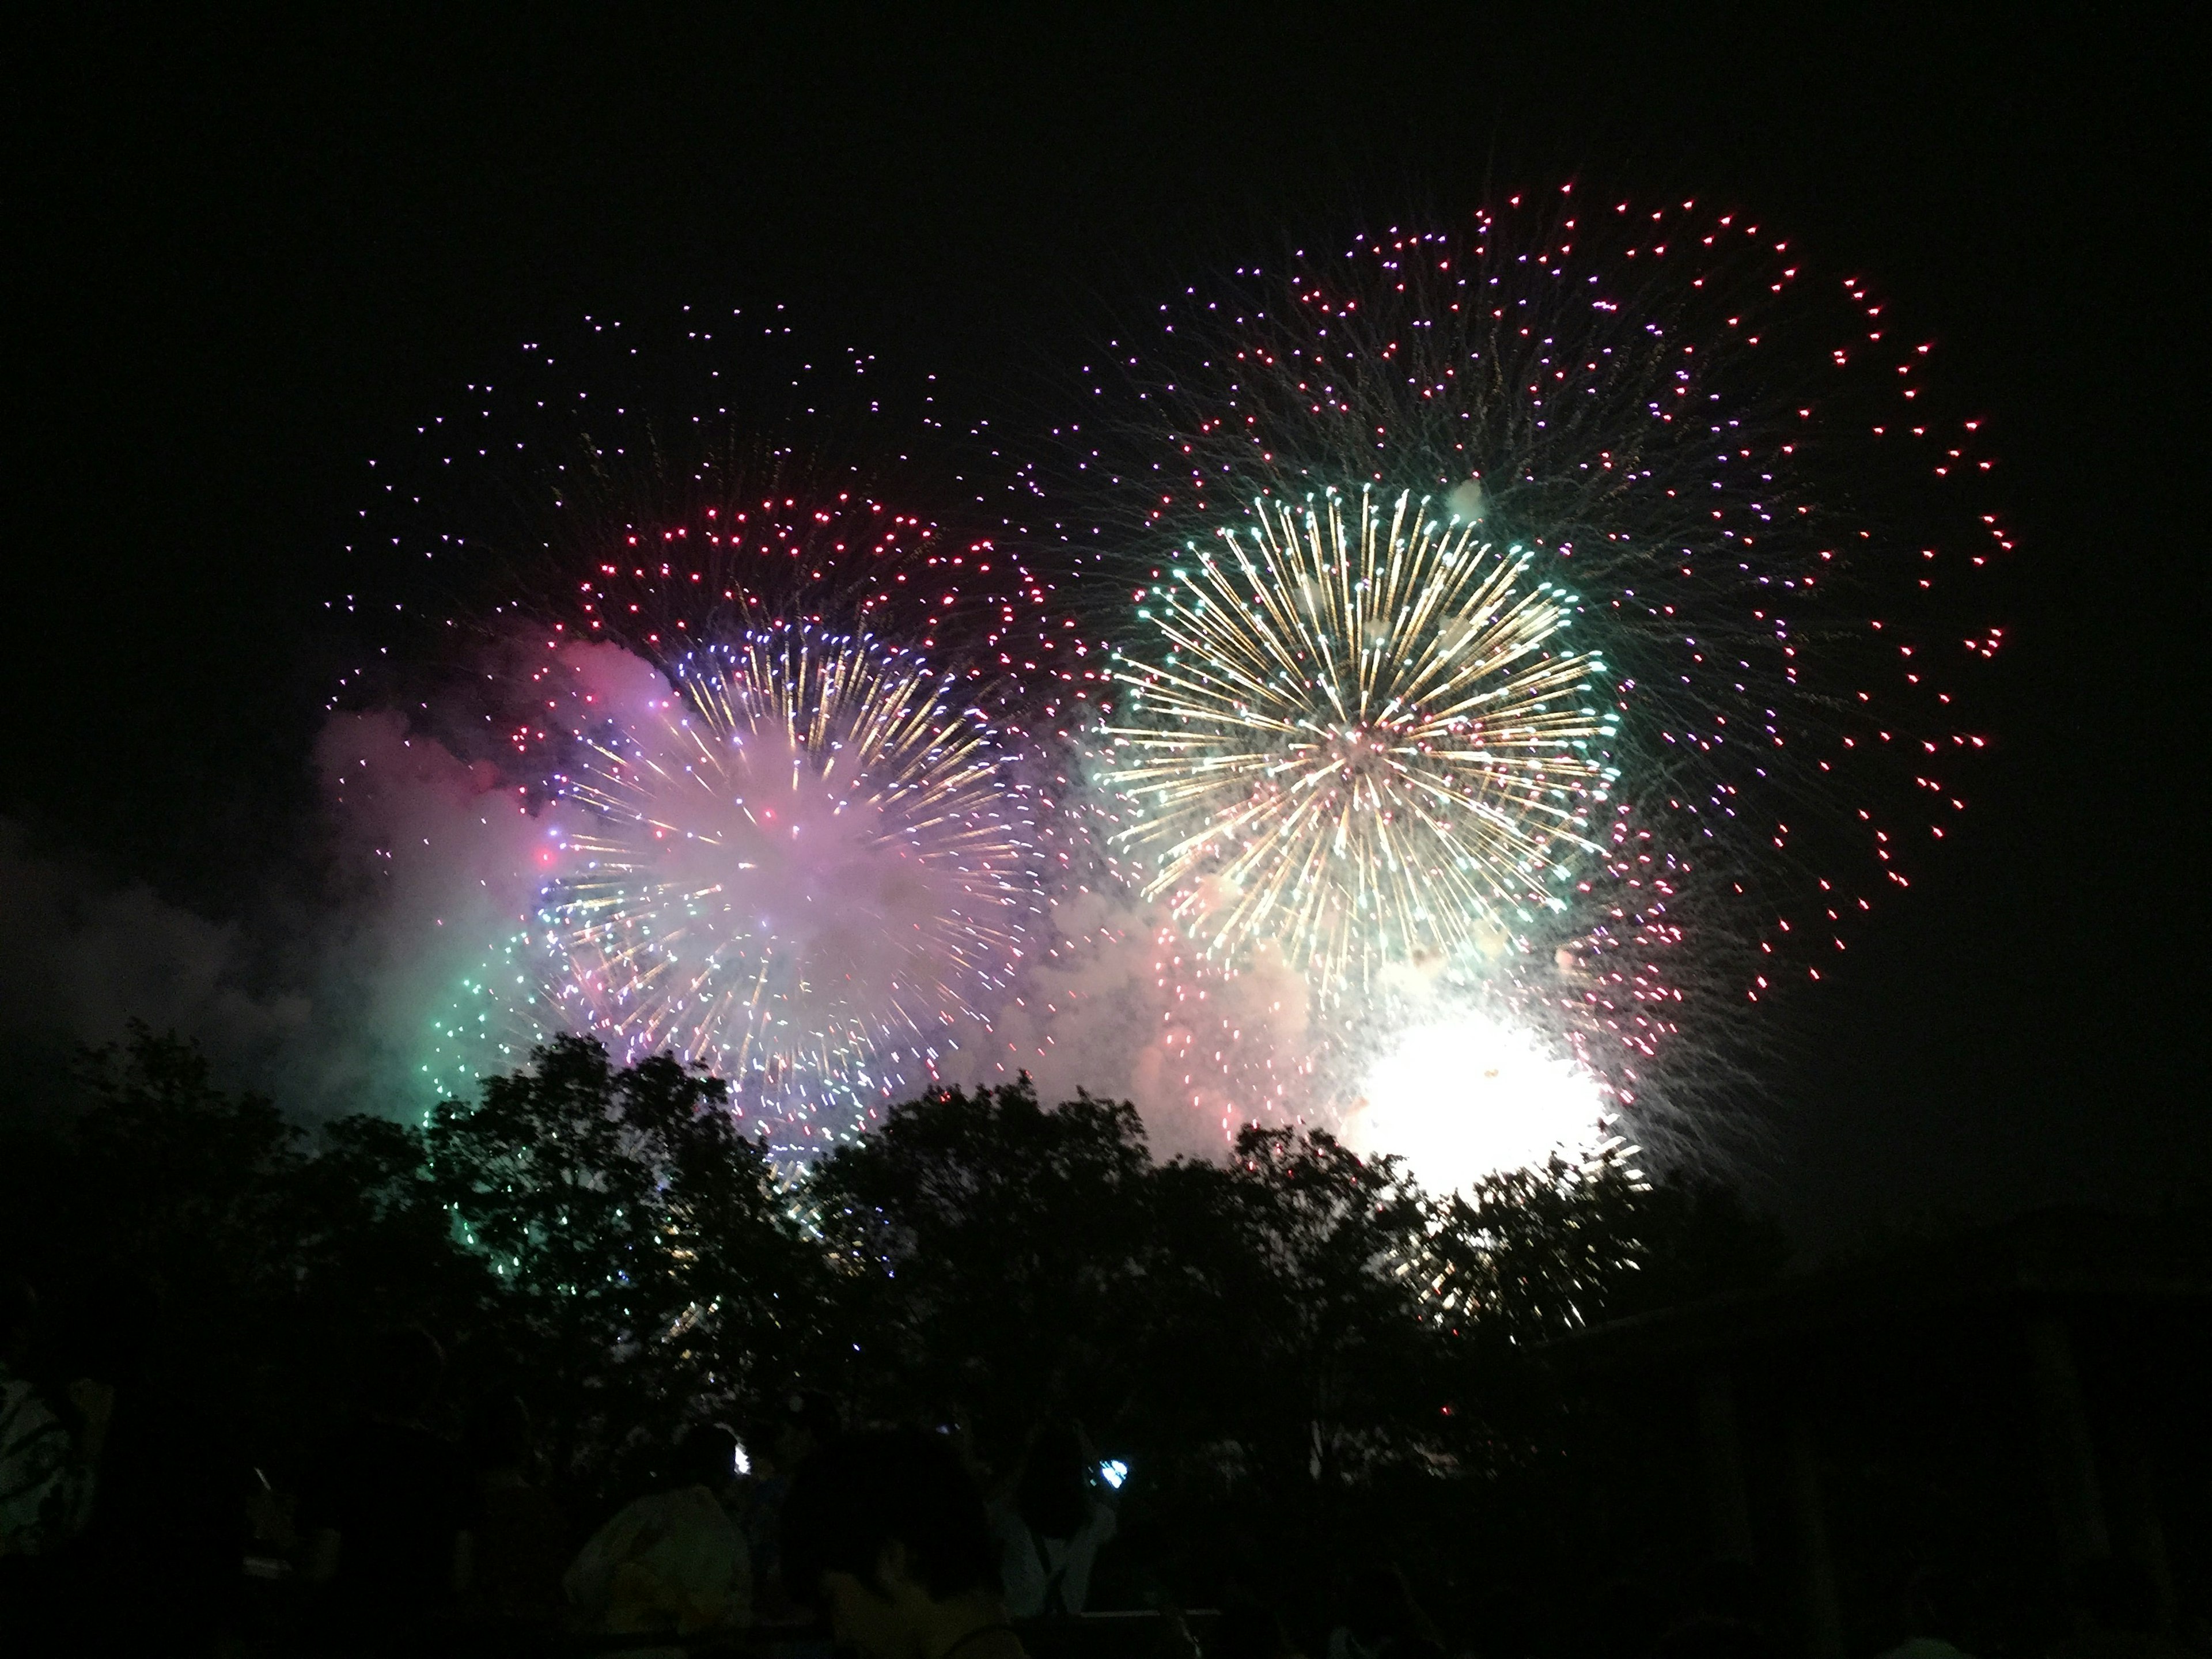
[{"x": 1279, "y": 1340}]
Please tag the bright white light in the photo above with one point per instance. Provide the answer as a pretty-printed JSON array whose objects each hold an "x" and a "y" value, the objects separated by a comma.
[
  {"x": 1469, "y": 1097},
  {"x": 1113, "y": 1471}
]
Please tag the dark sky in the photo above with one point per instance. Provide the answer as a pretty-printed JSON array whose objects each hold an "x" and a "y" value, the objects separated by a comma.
[{"x": 245, "y": 258}]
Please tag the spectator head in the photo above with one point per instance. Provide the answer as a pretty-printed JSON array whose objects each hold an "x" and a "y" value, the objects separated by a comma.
[
  {"x": 1729, "y": 1588},
  {"x": 1248, "y": 1630},
  {"x": 809, "y": 1420},
  {"x": 1376, "y": 1608},
  {"x": 401, "y": 1377},
  {"x": 1934, "y": 1605},
  {"x": 880, "y": 1531},
  {"x": 1708, "y": 1637},
  {"x": 1623, "y": 1616},
  {"x": 1054, "y": 1494},
  {"x": 706, "y": 1455}
]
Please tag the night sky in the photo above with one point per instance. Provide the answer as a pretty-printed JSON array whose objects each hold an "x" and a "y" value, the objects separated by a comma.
[{"x": 246, "y": 258}]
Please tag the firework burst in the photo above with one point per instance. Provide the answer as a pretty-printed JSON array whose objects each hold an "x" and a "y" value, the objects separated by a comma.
[
  {"x": 764, "y": 738},
  {"x": 803, "y": 869},
  {"x": 1731, "y": 477},
  {"x": 1357, "y": 738}
]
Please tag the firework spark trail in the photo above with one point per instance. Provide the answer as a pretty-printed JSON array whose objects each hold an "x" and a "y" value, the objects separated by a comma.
[
  {"x": 1362, "y": 747},
  {"x": 677, "y": 482}
]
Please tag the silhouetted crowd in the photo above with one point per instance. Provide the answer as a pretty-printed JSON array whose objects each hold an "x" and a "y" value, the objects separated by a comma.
[{"x": 415, "y": 1528}]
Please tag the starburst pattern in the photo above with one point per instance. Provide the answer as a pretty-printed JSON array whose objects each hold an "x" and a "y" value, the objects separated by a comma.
[
  {"x": 802, "y": 869},
  {"x": 1356, "y": 736}
]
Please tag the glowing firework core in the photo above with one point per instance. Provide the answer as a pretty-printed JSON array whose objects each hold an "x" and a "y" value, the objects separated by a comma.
[
  {"x": 1469, "y": 1097},
  {"x": 1358, "y": 741}
]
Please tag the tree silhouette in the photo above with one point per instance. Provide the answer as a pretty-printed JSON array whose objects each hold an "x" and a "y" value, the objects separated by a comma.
[
  {"x": 995, "y": 1256},
  {"x": 1298, "y": 1350},
  {"x": 649, "y": 1268}
]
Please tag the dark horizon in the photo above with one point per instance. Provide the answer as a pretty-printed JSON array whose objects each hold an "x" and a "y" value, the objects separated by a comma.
[{"x": 253, "y": 259}]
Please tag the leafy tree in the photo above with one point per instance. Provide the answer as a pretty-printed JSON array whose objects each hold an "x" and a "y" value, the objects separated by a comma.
[
  {"x": 1287, "y": 1367},
  {"x": 1529, "y": 1255},
  {"x": 649, "y": 1263},
  {"x": 1302, "y": 1321},
  {"x": 1695, "y": 1238},
  {"x": 1298, "y": 1350},
  {"x": 177, "y": 1211},
  {"x": 995, "y": 1255},
  {"x": 191, "y": 1184}
]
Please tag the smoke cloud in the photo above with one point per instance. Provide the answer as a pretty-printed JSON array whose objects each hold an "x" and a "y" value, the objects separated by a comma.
[
  {"x": 438, "y": 837},
  {"x": 106, "y": 954}
]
